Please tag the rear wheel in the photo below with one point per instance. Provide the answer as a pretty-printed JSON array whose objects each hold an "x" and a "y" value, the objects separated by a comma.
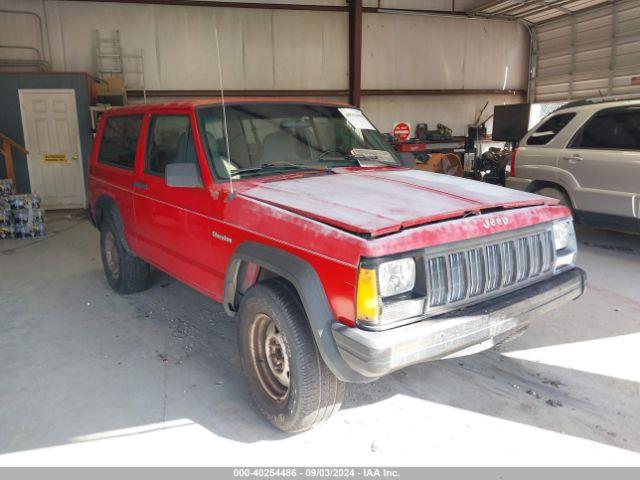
[
  {"x": 125, "y": 272},
  {"x": 288, "y": 380}
]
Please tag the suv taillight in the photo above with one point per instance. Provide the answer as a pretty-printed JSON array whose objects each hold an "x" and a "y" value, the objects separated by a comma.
[{"x": 512, "y": 172}]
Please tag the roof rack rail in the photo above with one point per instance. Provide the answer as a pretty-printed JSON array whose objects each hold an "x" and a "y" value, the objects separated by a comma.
[{"x": 595, "y": 100}]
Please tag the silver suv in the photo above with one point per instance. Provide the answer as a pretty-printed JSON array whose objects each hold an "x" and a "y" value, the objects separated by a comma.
[{"x": 587, "y": 155}]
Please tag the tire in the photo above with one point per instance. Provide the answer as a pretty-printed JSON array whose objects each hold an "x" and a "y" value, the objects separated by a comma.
[
  {"x": 125, "y": 273},
  {"x": 276, "y": 349},
  {"x": 557, "y": 194}
]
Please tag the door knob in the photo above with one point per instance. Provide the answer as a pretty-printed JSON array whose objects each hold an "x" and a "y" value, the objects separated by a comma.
[{"x": 74, "y": 157}]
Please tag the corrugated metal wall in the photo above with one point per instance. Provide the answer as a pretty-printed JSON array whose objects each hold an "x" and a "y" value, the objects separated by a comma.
[
  {"x": 591, "y": 54},
  {"x": 294, "y": 50}
]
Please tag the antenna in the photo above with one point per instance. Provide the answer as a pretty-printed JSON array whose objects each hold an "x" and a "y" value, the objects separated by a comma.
[{"x": 224, "y": 113}]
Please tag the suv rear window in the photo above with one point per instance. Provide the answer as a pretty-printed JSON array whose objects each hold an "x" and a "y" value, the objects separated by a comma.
[
  {"x": 612, "y": 129},
  {"x": 119, "y": 140},
  {"x": 549, "y": 129}
]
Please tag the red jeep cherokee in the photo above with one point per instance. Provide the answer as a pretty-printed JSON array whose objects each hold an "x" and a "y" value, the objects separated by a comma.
[{"x": 340, "y": 264}]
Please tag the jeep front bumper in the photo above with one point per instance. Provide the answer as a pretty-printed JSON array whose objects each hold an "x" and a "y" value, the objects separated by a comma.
[{"x": 466, "y": 331}]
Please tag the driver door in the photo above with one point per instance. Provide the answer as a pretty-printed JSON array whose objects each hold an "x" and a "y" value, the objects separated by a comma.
[{"x": 173, "y": 222}]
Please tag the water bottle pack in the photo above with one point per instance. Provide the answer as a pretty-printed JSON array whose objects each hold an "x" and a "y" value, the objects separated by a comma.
[
  {"x": 6, "y": 232},
  {"x": 29, "y": 231},
  {"x": 21, "y": 215},
  {"x": 5, "y": 214},
  {"x": 25, "y": 200},
  {"x": 6, "y": 187}
]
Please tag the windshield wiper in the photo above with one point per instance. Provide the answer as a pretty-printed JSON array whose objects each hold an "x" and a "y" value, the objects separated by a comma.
[
  {"x": 355, "y": 158},
  {"x": 284, "y": 165},
  {"x": 343, "y": 156}
]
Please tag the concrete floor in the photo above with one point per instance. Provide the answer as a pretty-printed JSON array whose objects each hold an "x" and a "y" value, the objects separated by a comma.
[{"x": 92, "y": 378}]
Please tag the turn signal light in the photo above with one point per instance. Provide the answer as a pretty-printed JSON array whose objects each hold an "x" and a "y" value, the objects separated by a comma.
[{"x": 367, "y": 301}]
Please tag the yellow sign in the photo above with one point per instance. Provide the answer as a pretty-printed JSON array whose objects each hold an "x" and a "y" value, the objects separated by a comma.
[{"x": 55, "y": 157}]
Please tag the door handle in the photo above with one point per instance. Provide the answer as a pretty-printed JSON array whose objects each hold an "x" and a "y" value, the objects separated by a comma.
[
  {"x": 140, "y": 185},
  {"x": 573, "y": 159}
]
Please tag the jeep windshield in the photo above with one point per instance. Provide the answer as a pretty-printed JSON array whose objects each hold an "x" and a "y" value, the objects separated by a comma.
[{"x": 271, "y": 138}]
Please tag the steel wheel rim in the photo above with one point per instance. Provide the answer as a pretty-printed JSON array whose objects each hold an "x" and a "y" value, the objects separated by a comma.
[
  {"x": 111, "y": 255},
  {"x": 269, "y": 357}
]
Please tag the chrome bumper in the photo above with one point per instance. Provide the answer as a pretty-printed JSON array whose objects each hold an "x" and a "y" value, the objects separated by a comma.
[{"x": 374, "y": 354}]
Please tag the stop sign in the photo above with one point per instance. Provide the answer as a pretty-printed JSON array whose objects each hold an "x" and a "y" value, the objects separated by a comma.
[{"x": 402, "y": 131}]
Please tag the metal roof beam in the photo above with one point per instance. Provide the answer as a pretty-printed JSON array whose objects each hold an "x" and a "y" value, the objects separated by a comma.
[
  {"x": 608, "y": 3},
  {"x": 536, "y": 6},
  {"x": 482, "y": 8}
]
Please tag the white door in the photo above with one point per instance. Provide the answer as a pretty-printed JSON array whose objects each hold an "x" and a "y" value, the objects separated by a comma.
[{"x": 50, "y": 126}]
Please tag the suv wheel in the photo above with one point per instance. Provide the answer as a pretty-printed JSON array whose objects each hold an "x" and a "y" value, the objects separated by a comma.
[
  {"x": 288, "y": 380},
  {"x": 125, "y": 273},
  {"x": 557, "y": 194}
]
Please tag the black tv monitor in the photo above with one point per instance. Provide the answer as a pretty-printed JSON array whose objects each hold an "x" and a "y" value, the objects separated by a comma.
[{"x": 510, "y": 122}]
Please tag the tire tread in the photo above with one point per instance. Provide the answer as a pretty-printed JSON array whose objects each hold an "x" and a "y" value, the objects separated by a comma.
[
  {"x": 134, "y": 272},
  {"x": 319, "y": 394}
]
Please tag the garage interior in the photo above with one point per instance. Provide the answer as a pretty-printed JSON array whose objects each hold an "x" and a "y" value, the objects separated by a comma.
[{"x": 153, "y": 378}]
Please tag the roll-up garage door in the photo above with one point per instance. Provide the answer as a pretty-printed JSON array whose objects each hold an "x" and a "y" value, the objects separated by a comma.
[{"x": 591, "y": 54}]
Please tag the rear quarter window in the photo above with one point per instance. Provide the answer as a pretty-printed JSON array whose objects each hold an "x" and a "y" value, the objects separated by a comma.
[
  {"x": 611, "y": 129},
  {"x": 120, "y": 140},
  {"x": 549, "y": 129}
]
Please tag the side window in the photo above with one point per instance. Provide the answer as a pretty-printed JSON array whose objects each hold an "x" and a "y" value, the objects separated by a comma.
[
  {"x": 549, "y": 129},
  {"x": 169, "y": 141},
  {"x": 119, "y": 141},
  {"x": 617, "y": 129}
]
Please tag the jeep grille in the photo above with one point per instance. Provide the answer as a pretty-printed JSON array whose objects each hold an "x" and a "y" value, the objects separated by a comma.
[{"x": 478, "y": 271}]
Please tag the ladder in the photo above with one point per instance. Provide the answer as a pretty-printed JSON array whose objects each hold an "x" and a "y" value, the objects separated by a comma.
[
  {"x": 109, "y": 55},
  {"x": 110, "y": 60}
]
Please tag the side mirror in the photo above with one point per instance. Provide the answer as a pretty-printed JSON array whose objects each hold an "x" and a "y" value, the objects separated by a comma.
[{"x": 186, "y": 175}]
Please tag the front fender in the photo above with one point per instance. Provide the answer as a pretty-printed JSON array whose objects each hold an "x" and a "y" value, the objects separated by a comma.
[{"x": 305, "y": 280}]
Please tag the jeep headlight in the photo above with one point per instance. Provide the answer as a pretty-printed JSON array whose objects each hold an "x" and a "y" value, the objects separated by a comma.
[
  {"x": 561, "y": 234},
  {"x": 385, "y": 293},
  {"x": 564, "y": 240},
  {"x": 396, "y": 277}
]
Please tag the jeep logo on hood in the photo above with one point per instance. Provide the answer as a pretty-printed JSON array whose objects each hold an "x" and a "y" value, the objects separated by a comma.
[{"x": 492, "y": 222}]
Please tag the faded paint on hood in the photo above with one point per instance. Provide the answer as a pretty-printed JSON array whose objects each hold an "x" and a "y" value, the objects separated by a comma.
[{"x": 379, "y": 202}]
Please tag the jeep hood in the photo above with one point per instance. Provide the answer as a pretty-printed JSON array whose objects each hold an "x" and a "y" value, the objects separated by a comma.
[{"x": 380, "y": 202}]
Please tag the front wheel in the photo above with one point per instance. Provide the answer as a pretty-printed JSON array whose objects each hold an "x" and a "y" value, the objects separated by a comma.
[{"x": 288, "y": 379}]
